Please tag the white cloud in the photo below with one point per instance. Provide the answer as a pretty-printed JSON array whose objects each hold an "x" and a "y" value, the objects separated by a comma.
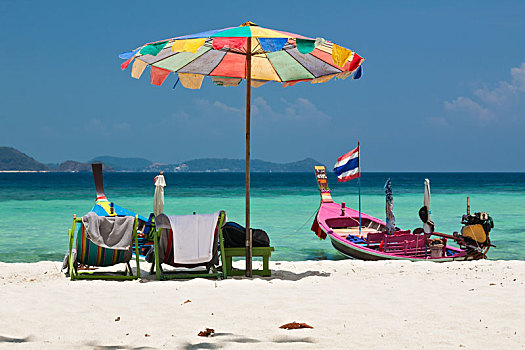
[
  {"x": 226, "y": 108},
  {"x": 518, "y": 77},
  {"x": 439, "y": 122},
  {"x": 102, "y": 128},
  {"x": 465, "y": 104},
  {"x": 300, "y": 110},
  {"x": 487, "y": 104}
]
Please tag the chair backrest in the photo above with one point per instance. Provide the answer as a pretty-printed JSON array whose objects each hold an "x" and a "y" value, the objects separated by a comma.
[
  {"x": 375, "y": 237},
  {"x": 405, "y": 244},
  {"x": 399, "y": 238},
  {"x": 149, "y": 225},
  {"x": 88, "y": 253}
]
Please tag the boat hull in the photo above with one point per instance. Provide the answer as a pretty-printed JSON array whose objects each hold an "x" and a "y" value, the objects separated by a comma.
[
  {"x": 372, "y": 242},
  {"x": 360, "y": 236},
  {"x": 359, "y": 253}
]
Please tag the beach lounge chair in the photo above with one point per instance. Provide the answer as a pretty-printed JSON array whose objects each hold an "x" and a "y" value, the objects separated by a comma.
[
  {"x": 197, "y": 246},
  {"x": 145, "y": 237},
  {"x": 122, "y": 237}
]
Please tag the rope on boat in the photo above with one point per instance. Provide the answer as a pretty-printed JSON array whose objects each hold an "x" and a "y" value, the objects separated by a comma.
[{"x": 311, "y": 216}]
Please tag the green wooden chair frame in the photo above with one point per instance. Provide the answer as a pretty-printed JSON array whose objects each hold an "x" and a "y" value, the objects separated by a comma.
[
  {"x": 210, "y": 272},
  {"x": 123, "y": 275},
  {"x": 264, "y": 252}
]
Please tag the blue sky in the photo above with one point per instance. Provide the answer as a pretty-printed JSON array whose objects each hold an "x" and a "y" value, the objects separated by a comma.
[{"x": 443, "y": 86}]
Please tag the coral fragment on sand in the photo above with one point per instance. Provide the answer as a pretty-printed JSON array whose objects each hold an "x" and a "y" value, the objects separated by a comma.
[{"x": 206, "y": 333}]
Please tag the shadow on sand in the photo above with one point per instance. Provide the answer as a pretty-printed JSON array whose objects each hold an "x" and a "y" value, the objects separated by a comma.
[
  {"x": 284, "y": 275},
  {"x": 289, "y": 275},
  {"x": 243, "y": 340},
  {"x": 115, "y": 347},
  {"x": 15, "y": 340}
]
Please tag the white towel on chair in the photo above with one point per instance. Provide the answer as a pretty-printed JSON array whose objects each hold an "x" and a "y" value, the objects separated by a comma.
[{"x": 193, "y": 237}]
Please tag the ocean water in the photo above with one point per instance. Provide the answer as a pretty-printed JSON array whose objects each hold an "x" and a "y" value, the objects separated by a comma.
[{"x": 36, "y": 208}]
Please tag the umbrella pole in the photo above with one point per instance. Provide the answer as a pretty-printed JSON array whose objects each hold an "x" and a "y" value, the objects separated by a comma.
[{"x": 248, "y": 105}]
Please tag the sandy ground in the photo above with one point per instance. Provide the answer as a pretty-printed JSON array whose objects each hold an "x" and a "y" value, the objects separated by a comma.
[{"x": 350, "y": 304}]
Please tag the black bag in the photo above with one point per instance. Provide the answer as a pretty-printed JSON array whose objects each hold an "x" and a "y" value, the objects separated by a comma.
[{"x": 235, "y": 236}]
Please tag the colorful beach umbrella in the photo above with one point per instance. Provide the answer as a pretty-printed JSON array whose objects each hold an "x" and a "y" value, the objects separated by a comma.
[{"x": 259, "y": 55}]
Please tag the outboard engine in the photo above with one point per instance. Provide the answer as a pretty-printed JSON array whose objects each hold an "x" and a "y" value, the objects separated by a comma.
[
  {"x": 475, "y": 234},
  {"x": 476, "y": 228}
]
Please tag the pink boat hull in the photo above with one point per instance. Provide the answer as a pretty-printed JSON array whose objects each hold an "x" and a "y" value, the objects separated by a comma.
[{"x": 372, "y": 242}]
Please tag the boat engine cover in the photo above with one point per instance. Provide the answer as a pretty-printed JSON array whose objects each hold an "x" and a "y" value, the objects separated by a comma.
[{"x": 475, "y": 232}]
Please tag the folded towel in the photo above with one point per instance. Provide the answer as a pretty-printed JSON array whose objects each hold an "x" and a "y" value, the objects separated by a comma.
[
  {"x": 193, "y": 236},
  {"x": 113, "y": 232}
]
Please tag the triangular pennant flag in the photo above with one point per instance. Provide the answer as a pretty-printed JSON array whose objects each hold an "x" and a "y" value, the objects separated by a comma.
[
  {"x": 356, "y": 61},
  {"x": 158, "y": 75},
  {"x": 125, "y": 65},
  {"x": 340, "y": 55},
  {"x": 272, "y": 44},
  {"x": 293, "y": 82},
  {"x": 323, "y": 79},
  {"x": 226, "y": 81},
  {"x": 358, "y": 73},
  {"x": 343, "y": 75},
  {"x": 153, "y": 49},
  {"x": 138, "y": 68},
  {"x": 232, "y": 43},
  {"x": 257, "y": 83},
  {"x": 319, "y": 42},
  {"x": 188, "y": 45},
  {"x": 305, "y": 46},
  {"x": 191, "y": 81},
  {"x": 128, "y": 55}
]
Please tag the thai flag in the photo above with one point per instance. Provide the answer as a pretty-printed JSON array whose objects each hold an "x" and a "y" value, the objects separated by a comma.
[{"x": 347, "y": 166}]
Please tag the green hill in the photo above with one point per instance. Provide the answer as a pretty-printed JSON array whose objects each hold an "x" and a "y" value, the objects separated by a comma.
[
  {"x": 123, "y": 164},
  {"x": 73, "y": 166},
  {"x": 12, "y": 159},
  {"x": 256, "y": 165}
]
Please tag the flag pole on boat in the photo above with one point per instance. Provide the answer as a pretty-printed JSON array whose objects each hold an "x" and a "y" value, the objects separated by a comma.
[
  {"x": 347, "y": 168},
  {"x": 359, "y": 184}
]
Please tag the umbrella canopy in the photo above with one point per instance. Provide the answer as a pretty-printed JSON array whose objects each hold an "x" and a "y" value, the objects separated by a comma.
[
  {"x": 222, "y": 54},
  {"x": 259, "y": 55}
]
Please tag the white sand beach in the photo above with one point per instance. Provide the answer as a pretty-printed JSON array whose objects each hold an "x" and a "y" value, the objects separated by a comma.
[{"x": 350, "y": 304}]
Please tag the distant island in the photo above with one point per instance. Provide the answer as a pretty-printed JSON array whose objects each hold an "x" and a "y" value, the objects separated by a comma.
[{"x": 14, "y": 160}]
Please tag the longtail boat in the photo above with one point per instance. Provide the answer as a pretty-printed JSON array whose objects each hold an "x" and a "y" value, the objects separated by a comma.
[
  {"x": 103, "y": 207},
  {"x": 370, "y": 239}
]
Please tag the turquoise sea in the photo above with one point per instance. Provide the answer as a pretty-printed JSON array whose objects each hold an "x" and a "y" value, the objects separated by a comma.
[{"x": 36, "y": 208}]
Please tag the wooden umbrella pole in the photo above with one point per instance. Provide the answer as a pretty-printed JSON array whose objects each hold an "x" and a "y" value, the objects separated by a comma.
[{"x": 248, "y": 102}]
